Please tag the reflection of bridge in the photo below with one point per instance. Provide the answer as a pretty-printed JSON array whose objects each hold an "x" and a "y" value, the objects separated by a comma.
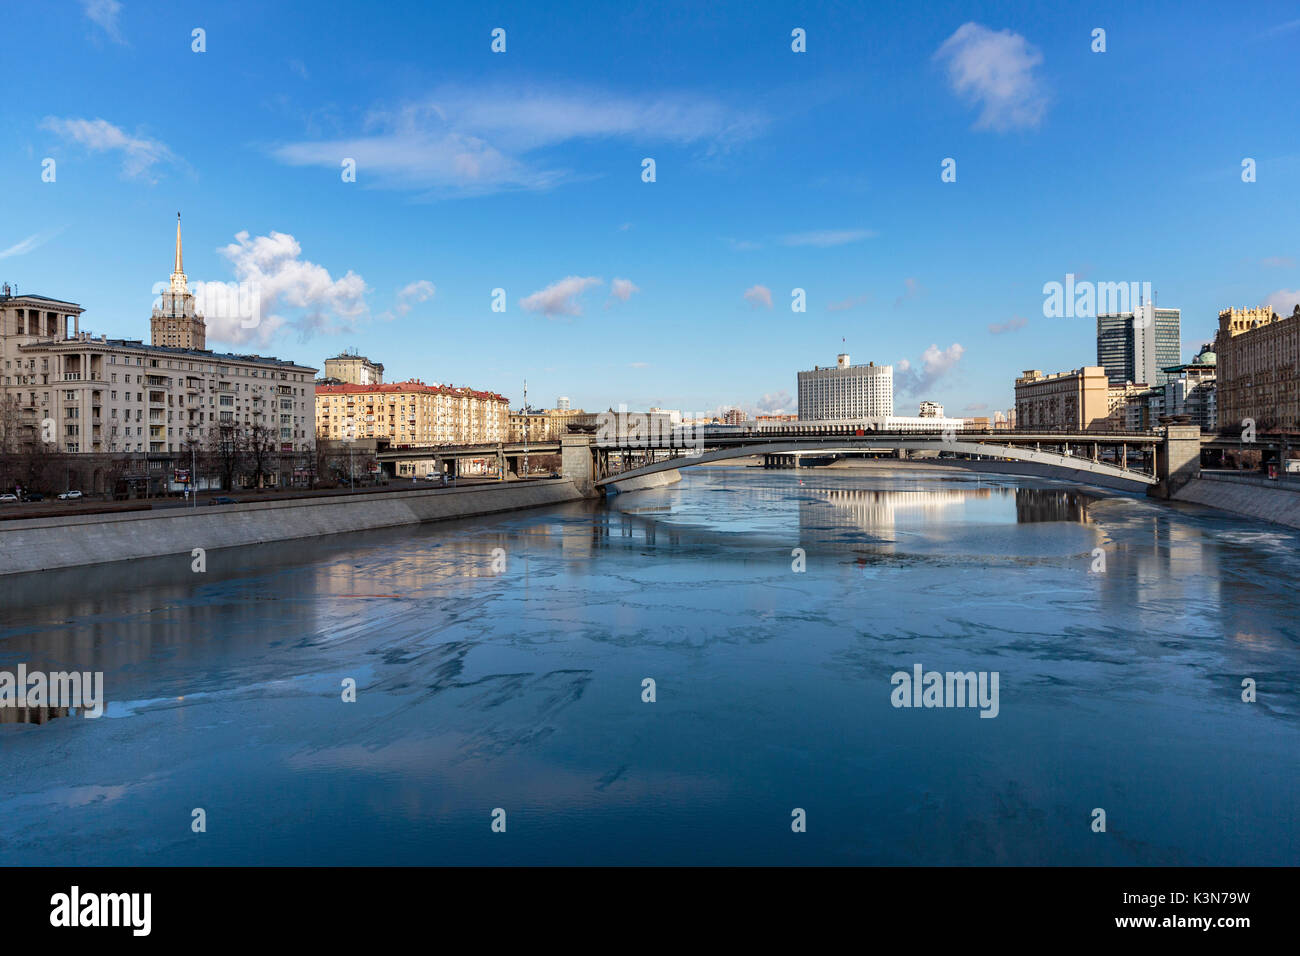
[{"x": 1157, "y": 462}]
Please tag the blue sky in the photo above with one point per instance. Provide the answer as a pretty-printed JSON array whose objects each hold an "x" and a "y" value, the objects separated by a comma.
[{"x": 774, "y": 170}]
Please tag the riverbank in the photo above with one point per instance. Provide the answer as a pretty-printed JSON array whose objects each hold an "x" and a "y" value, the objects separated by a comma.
[
  {"x": 1279, "y": 505},
  {"x": 45, "y": 543}
]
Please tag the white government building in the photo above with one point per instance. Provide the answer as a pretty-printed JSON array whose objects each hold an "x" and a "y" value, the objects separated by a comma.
[{"x": 847, "y": 394}]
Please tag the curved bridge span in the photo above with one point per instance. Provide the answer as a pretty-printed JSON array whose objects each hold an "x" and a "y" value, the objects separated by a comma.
[{"x": 1065, "y": 460}]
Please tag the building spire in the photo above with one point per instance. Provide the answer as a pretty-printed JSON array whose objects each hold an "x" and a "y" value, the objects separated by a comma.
[{"x": 179, "y": 266}]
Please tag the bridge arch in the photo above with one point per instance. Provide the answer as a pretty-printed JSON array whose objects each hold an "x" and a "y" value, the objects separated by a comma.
[{"x": 1068, "y": 465}]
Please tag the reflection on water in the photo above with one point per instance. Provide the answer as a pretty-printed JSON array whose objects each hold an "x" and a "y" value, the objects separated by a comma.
[{"x": 521, "y": 687}]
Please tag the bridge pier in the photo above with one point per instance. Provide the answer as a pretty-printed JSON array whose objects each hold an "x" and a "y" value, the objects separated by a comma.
[
  {"x": 578, "y": 464},
  {"x": 1178, "y": 459}
]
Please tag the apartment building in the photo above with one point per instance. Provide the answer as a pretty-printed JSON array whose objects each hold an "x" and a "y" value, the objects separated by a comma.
[
  {"x": 1072, "y": 400},
  {"x": 1258, "y": 368}
]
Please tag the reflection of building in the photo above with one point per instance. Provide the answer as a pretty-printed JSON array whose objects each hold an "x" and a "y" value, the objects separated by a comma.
[
  {"x": 1067, "y": 400},
  {"x": 846, "y": 392},
  {"x": 1258, "y": 356},
  {"x": 1136, "y": 346},
  {"x": 348, "y": 368}
]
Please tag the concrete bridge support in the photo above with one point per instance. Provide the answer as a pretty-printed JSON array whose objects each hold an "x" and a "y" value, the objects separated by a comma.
[
  {"x": 1178, "y": 460},
  {"x": 576, "y": 463}
]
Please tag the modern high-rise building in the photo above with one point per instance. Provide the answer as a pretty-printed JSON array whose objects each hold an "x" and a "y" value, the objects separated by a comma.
[
  {"x": 175, "y": 321},
  {"x": 846, "y": 391},
  {"x": 1138, "y": 346}
]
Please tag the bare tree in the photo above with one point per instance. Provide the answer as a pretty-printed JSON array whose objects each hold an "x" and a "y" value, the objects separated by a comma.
[
  {"x": 226, "y": 448},
  {"x": 259, "y": 449}
]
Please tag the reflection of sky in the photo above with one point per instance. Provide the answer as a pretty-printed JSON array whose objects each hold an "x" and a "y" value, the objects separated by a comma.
[{"x": 522, "y": 689}]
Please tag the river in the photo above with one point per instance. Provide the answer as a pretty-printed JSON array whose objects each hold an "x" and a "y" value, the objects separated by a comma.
[{"x": 770, "y": 609}]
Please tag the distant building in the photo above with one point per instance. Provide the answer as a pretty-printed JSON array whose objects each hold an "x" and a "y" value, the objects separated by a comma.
[
  {"x": 1136, "y": 346},
  {"x": 733, "y": 416},
  {"x": 931, "y": 410},
  {"x": 846, "y": 392},
  {"x": 411, "y": 414},
  {"x": 1258, "y": 366},
  {"x": 348, "y": 368},
  {"x": 1071, "y": 400},
  {"x": 176, "y": 323},
  {"x": 562, "y": 403},
  {"x": 1191, "y": 391}
]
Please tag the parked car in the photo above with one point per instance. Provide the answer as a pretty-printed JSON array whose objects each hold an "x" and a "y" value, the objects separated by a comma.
[
  {"x": 222, "y": 500},
  {"x": 70, "y": 496},
  {"x": 8, "y": 499},
  {"x": 33, "y": 496}
]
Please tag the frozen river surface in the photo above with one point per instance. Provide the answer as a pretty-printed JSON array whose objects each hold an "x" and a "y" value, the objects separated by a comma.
[{"x": 513, "y": 679}]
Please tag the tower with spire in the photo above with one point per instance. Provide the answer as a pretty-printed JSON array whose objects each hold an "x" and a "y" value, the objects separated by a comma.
[{"x": 175, "y": 321}]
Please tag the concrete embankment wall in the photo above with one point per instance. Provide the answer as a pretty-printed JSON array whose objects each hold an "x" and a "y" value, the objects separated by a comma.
[
  {"x": 39, "y": 544},
  {"x": 1274, "y": 504}
]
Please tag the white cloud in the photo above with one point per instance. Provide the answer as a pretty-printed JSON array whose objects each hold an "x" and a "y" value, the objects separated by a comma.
[
  {"x": 776, "y": 403},
  {"x": 622, "y": 289},
  {"x": 828, "y": 237},
  {"x": 34, "y": 241},
  {"x": 995, "y": 70},
  {"x": 292, "y": 291},
  {"x": 1010, "y": 325},
  {"x": 1278, "y": 262},
  {"x": 462, "y": 142},
  {"x": 935, "y": 364},
  {"x": 743, "y": 245},
  {"x": 419, "y": 291},
  {"x": 139, "y": 154},
  {"x": 759, "y": 295},
  {"x": 560, "y": 298},
  {"x": 104, "y": 13},
  {"x": 1284, "y": 301}
]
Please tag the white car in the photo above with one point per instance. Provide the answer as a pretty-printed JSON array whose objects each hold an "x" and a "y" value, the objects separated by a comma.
[
  {"x": 70, "y": 496},
  {"x": 8, "y": 499}
]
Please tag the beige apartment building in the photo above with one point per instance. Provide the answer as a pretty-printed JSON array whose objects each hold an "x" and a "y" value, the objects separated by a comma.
[
  {"x": 1073, "y": 400},
  {"x": 542, "y": 425},
  {"x": 1258, "y": 368},
  {"x": 132, "y": 408},
  {"x": 411, "y": 414},
  {"x": 349, "y": 368}
]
